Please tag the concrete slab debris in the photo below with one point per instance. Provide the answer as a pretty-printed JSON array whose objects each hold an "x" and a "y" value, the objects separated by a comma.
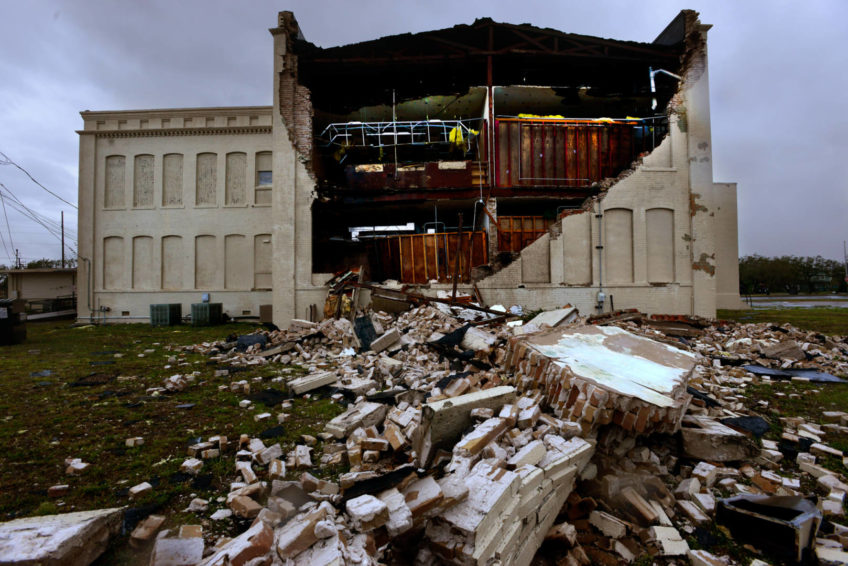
[
  {"x": 600, "y": 375},
  {"x": 707, "y": 439},
  {"x": 68, "y": 539}
]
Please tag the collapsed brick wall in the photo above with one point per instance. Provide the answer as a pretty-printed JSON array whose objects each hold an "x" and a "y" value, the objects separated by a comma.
[{"x": 591, "y": 405}]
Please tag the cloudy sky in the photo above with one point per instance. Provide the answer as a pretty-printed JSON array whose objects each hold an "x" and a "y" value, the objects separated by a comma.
[{"x": 779, "y": 89}]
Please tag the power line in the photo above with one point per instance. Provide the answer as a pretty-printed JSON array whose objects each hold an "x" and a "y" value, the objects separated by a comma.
[
  {"x": 4, "y": 160},
  {"x": 18, "y": 205},
  {"x": 50, "y": 225},
  {"x": 6, "y": 216}
]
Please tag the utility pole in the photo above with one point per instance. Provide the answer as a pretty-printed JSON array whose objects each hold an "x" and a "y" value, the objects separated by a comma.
[
  {"x": 17, "y": 259},
  {"x": 63, "y": 239}
]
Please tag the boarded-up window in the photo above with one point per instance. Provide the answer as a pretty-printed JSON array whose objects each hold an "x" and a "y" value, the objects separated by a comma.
[
  {"x": 618, "y": 245},
  {"x": 262, "y": 261},
  {"x": 235, "y": 190},
  {"x": 115, "y": 179},
  {"x": 172, "y": 262},
  {"x": 113, "y": 263},
  {"x": 236, "y": 262},
  {"x": 577, "y": 249},
  {"x": 205, "y": 262},
  {"x": 172, "y": 180},
  {"x": 143, "y": 181},
  {"x": 660, "y": 242},
  {"x": 207, "y": 179},
  {"x": 264, "y": 178},
  {"x": 142, "y": 262}
]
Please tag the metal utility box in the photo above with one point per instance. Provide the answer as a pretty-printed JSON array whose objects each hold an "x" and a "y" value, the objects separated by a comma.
[
  {"x": 166, "y": 314},
  {"x": 206, "y": 314},
  {"x": 266, "y": 313},
  {"x": 12, "y": 321}
]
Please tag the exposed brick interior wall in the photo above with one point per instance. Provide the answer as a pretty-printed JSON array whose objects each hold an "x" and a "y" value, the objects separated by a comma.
[{"x": 295, "y": 99}]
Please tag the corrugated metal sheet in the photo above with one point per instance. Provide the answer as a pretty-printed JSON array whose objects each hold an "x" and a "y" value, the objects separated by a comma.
[
  {"x": 419, "y": 258},
  {"x": 565, "y": 153}
]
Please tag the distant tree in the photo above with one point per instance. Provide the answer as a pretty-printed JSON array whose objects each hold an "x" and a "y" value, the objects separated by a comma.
[
  {"x": 51, "y": 263},
  {"x": 793, "y": 274}
]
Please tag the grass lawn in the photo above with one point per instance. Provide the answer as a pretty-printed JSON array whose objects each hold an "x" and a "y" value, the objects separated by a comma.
[
  {"x": 827, "y": 320},
  {"x": 47, "y": 415}
]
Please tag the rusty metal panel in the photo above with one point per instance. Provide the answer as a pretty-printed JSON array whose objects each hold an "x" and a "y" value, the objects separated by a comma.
[
  {"x": 533, "y": 152},
  {"x": 420, "y": 258},
  {"x": 518, "y": 232}
]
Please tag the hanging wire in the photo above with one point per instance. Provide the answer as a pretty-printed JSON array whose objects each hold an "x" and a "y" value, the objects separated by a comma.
[
  {"x": 50, "y": 225},
  {"x": 4, "y": 160},
  {"x": 8, "y": 228}
]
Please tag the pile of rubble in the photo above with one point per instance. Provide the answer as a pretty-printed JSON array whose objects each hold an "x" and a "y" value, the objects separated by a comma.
[{"x": 469, "y": 441}]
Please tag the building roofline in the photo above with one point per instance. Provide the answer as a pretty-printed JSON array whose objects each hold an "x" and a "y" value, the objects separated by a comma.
[
  {"x": 175, "y": 112},
  {"x": 39, "y": 270}
]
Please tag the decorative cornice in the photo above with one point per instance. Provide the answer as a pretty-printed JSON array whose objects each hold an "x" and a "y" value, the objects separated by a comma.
[
  {"x": 169, "y": 132},
  {"x": 176, "y": 112}
]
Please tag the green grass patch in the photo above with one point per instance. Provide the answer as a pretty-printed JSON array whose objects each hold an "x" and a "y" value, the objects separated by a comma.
[
  {"x": 47, "y": 416},
  {"x": 827, "y": 320}
]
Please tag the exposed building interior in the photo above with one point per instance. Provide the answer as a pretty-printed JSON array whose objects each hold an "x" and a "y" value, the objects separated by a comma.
[
  {"x": 527, "y": 166},
  {"x": 506, "y": 127}
]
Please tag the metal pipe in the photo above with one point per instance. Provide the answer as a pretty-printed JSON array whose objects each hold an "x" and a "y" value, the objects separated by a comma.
[
  {"x": 600, "y": 247},
  {"x": 456, "y": 260}
]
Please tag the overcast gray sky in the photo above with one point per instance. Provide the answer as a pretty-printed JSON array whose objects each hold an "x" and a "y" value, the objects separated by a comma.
[{"x": 779, "y": 88}]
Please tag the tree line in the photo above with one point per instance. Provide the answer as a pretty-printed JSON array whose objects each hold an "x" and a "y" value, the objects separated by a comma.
[{"x": 790, "y": 274}]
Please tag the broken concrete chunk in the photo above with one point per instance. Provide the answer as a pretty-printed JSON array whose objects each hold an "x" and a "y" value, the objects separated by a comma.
[
  {"x": 491, "y": 501},
  {"x": 707, "y": 439},
  {"x": 472, "y": 443},
  {"x": 70, "y": 538},
  {"x": 299, "y": 534},
  {"x": 367, "y": 512},
  {"x": 191, "y": 466},
  {"x": 686, "y": 488},
  {"x": 611, "y": 526},
  {"x": 363, "y": 414},
  {"x": 669, "y": 541},
  {"x": 302, "y": 457},
  {"x": 478, "y": 340},
  {"x": 695, "y": 514},
  {"x": 555, "y": 317},
  {"x": 386, "y": 340},
  {"x": 444, "y": 421},
  {"x": 422, "y": 495},
  {"x": 244, "y": 507},
  {"x": 146, "y": 530},
  {"x": 706, "y": 473},
  {"x": 591, "y": 374},
  {"x": 400, "y": 517},
  {"x": 75, "y": 466},
  {"x": 140, "y": 490},
  {"x": 531, "y": 454},
  {"x": 271, "y": 453},
  {"x": 309, "y": 382},
  {"x": 253, "y": 543},
  {"x": 177, "y": 551}
]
